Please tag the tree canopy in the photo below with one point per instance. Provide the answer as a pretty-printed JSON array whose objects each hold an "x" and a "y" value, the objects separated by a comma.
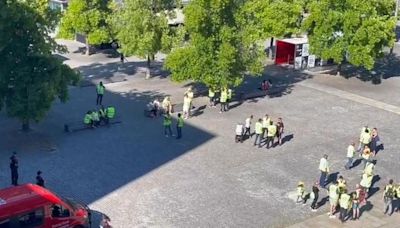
[
  {"x": 352, "y": 30},
  {"x": 31, "y": 78},
  {"x": 218, "y": 52},
  {"x": 91, "y": 18}
]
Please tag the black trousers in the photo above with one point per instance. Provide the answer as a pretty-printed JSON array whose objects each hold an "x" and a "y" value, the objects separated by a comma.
[
  {"x": 14, "y": 177},
  {"x": 99, "y": 99}
]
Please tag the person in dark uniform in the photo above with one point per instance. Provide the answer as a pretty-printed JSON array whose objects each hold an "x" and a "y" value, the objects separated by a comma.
[
  {"x": 39, "y": 179},
  {"x": 14, "y": 169}
]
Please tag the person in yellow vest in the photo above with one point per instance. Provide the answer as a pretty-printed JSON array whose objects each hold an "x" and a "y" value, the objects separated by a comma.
[
  {"x": 350, "y": 155},
  {"x": 365, "y": 138},
  {"x": 333, "y": 198},
  {"x": 366, "y": 155},
  {"x": 265, "y": 122},
  {"x": 100, "y": 92},
  {"x": 258, "y": 131},
  {"x": 223, "y": 100},
  {"x": 190, "y": 96},
  {"x": 228, "y": 98},
  {"x": 179, "y": 126},
  {"x": 211, "y": 95},
  {"x": 271, "y": 132},
  {"x": 87, "y": 120},
  {"x": 95, "y": 118},
  {"x": 167, "y": 125},
  {"x": 301, "y": 193},
  {"x": 186, "y": 106},
  {"x": 344, "y": 203}
]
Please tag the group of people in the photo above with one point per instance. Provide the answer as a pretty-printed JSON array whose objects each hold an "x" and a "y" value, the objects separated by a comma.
[
  {"x": 93, "y": 118},
  {"x": 339, "y": 196},
  {"x": 14, "y": 165},
  {"x": 265, "y": 130}
]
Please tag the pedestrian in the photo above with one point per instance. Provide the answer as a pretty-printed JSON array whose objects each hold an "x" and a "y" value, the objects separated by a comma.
[
  {"x": 374, "y": 141},
  {"x": 100, "y": 92},
  {"x": 14, "y": 168},
  {"x": 344, "y": 203},
  {"x": 39, "y": 179},
  {"x": 365, "y": 138},
  {"x": 271, "y": 134},
  {"x": 366, "y": 155},
  {"x": 259, "y": 132},
  {"x": 179, "y": 126},
  {"x": 388, "y": 196},
  {"x": 167, "y": 125},
  {"x": 223, "y": 100},
  {"x": 314, "y": 196},
  {"x": 239, "y": 133},
  {"x": 186, "y": 106},
  {"x": 265, "y": 122},
  {"x": 350, "y": 156},
  {"x": 355, "y": 205},
  {"x": 190, "y": 96},
  {"x": 280, "y": 127},
  {"x": 211, "y": 95},
  {"x": 324, "y": 168},
  {"x": 228, "y": 98},
  {"x": 247, "y": 125},
  {"x": 333, "y": 198}
]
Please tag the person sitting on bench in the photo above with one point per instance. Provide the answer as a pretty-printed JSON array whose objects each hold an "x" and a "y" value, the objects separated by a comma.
[
  {"x": 110, "y": 112},
  {"x": 103, "y": 115},
  {"x": 87, "y": 120},
  {"x": 95, "y": 118}
]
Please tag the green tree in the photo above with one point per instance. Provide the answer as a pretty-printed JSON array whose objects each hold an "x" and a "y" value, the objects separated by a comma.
[
  {"x": 218, "y": 53},
  {"x": 352, "y": 30},
  {"x": 91, "y": 18},
  {"x": 142, "y": 27},
  {"x": 31, "y": 78}
]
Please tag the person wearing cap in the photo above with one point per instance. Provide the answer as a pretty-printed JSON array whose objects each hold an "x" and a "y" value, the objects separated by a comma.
[
  {"x": 39, "y": 179},
  {"x": 324, "y": 168},
  {"x": 14, "y": 168}
]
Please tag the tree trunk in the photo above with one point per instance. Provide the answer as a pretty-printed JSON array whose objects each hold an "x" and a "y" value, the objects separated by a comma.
[
  {"x": 87, "y": 46},
  {"x": 25, "y": 125},
  {"x": 148, "y": 75}
]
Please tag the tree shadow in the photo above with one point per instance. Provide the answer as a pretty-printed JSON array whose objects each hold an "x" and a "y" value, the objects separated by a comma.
[{"x": 385, "y": 68}]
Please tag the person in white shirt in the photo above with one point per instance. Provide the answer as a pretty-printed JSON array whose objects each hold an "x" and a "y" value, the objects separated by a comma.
[
  {"x": 324, "y": 168},
  {"x": 247, "y": 126},
  {"x": 350, "y": 155},
  {"x": 239, "y": 133}
]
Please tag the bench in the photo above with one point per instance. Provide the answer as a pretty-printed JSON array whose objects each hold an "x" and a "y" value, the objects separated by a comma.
[{"x": 80, "y": 126}]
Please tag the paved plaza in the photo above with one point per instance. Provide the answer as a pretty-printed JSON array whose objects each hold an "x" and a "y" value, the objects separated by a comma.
[{"x": 140, "y": 178}]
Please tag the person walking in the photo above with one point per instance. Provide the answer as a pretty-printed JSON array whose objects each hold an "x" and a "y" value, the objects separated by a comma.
[
  {"x": 388, "y": 196},
  {"x": 259, "y": 132},
  {"x": 247, "y": 125},
  {"x": 350, "y": 155},
  {"x": 211, "y": 95},
  {"x": 167, "y": 125},
  {"x": 344, "y": 203},
  {"x": 324, "y": 168},
  {"x": 179, "y": 126},
  {"x": 333, "y": 193},
  {"x": 280, "y": 128},
  {"x": 100, "y": 92},
  {"x": 223, "y": 98},
  {"x": 14, "y": 168},
  {"x": 315, "y": 196},
  {"x": 39, "y": 179},
  {"x": 355, "y": 205},
  {"x": 271, "y": 132}
]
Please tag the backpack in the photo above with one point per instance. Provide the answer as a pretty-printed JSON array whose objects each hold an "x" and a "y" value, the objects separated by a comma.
[{"x": 389, "y": 193}]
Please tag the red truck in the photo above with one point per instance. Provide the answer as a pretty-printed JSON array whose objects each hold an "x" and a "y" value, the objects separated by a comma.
[{"x": 31, "y": 206}]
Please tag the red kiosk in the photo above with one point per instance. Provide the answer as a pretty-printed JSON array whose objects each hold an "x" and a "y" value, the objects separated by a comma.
[{"x": 294, "y": 51}]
